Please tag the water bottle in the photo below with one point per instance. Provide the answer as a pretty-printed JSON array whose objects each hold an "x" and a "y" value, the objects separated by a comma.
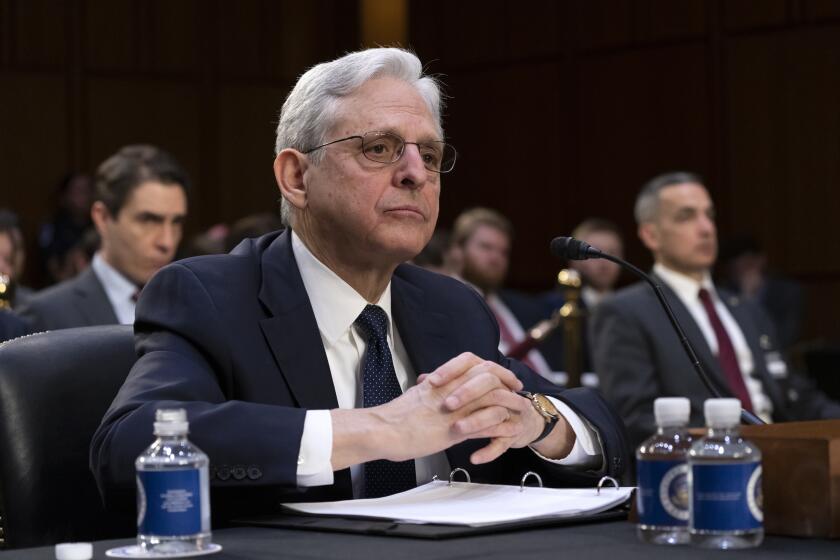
[
  {"x": 173, "y": 496},
  {"x": 725, "y": 474},
  {"x": 662, "y": 496}
]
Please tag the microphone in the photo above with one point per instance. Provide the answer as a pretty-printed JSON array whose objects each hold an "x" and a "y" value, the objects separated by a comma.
[{"x": 576, "y": 250}]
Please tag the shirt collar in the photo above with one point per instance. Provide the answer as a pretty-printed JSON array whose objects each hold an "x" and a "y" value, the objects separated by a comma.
[
  {"x": 335, "y": 303},
  {"x": 686, "y": 287},
  {"x": 116, "y": 285}
]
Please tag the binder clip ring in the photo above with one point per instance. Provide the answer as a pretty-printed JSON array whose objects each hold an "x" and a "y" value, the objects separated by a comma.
[
  {"x": 456, "y": 471},
  {"x": 525, "y": 478},
  {"x": 603, "y": 480}
]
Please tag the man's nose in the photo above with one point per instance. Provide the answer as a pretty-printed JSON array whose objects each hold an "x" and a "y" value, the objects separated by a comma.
[
  {"x": 411, "y": 173},
  {"x": 168, "y": 237}
]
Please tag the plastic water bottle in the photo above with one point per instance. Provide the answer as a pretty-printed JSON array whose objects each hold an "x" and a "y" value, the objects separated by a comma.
[
  {"x": 662, "y": 497},
  {"x": 726, "y": 498},
  {"x": 173, "y": 496}
]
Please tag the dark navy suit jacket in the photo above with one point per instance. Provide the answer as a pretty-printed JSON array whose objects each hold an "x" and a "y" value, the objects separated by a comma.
[{"x": 233, "y": 340}]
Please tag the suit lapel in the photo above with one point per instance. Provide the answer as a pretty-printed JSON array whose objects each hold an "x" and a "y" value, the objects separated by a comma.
[
  {"x": 92, "y": 302},
  {"x": 423, "y": 331},
  {"x": 708, "y": 361},
  {"x": 753, "y": 336},
  {"x": 291, "y": 330}
]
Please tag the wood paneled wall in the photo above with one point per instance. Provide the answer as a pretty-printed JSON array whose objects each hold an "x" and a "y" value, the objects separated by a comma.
[
  {"x": 203, "y": 79},
  {"x": 561, "y": 110}
]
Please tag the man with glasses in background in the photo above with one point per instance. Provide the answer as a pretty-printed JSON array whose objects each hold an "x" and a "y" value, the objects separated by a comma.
[{"x": 314, "y": 364}]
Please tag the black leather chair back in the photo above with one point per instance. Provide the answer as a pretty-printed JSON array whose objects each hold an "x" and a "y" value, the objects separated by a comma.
[{"x": 54, "y": 389}]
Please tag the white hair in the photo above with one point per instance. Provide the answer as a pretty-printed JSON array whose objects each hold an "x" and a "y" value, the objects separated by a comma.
[{"x": 309, "y": 111}]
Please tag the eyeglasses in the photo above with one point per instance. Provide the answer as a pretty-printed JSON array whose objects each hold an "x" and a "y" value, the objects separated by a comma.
[{"x": 385, "y": 147}]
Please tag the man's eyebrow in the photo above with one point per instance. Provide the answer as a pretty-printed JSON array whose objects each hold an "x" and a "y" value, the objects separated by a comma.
[{"x": 149, "y": 216}]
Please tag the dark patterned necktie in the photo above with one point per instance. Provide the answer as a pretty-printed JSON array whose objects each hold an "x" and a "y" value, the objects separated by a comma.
[
  {"x": 726, "y": 352},
  {"x": 380, "y": 385}
]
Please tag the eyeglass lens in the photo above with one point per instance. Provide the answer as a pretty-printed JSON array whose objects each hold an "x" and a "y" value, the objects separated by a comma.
[{"x": 388, "y": 148}]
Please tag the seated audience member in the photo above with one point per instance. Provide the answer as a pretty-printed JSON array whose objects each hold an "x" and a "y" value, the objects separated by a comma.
[
  {"x": 208, "y": 242},
  {"x": 12, "y": 257},
  {"x": 598, "y": 276},
  {"x": 72, "y": 218},
  {"x": 255, "y": 225},
  {"x": 744, "y": 268},
  {"x": 483, "y": 239},
  {"x": 313, "y": 363},
  {"x": 141, "y": 204},
  {"x": 438, "y": 255},
  {"x": 638, "y": 356}
]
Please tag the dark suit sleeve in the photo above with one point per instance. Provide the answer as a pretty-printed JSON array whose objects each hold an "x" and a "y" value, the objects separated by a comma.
[
  {"x": 185, "y": 361},
  {"x": 625, "y": 363},
  {"x": 32, "y": 313},
  {"x": 803, "y": 400},
  {"x": 11, "y": 326}
]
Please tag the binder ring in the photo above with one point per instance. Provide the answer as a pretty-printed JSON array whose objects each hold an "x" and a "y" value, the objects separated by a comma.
[
  {"x": 456, "y": 471},
  {"x": 606, "y": 479},
  {"x": 525, "y": 478}
]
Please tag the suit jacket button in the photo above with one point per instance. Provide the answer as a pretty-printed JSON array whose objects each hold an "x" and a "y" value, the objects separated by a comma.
[
  {"x": 238, "y": 472},
  {"x": 223, "y": 472},
  {"x": 254, "y": 472}
]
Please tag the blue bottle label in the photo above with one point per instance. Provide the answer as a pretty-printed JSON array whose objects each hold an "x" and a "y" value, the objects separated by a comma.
[
  {"x": 663, "y": 494},
  {"x": 726, "y": 497},
  {"x": 169, "y": 502}
]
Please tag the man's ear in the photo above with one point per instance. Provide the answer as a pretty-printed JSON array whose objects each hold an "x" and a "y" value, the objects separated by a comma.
[
  {"x": 649, "y": 234},
  {"x": 100, "y": 215},
  {"x": 289, "y": 168}
]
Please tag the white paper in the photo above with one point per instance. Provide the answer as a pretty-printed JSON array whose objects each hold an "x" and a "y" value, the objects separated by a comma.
[{"x": 464, "y": 503}]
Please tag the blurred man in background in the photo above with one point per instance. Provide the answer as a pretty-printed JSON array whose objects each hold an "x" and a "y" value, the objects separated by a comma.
[
  {"x": 140, "y": 207},
  {"x": 598, "y": 278},
  {"x": 483, "y": 240},
  {"x": 638, "y": 356}
]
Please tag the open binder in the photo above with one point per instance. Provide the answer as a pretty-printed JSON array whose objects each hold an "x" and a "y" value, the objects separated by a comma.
[{"x": 442, "y": 509}]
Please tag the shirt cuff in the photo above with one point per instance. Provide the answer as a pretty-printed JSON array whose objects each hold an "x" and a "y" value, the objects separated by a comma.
[
  {"x": 587, "y": 451},
  {"x": 314, "y": 467}
]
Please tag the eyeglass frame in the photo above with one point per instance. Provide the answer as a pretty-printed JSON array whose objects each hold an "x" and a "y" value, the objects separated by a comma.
[{"x": 404, "y": 143}]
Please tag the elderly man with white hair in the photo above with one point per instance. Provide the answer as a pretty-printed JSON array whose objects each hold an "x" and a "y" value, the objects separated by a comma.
[{"x": 313, "y": 363}]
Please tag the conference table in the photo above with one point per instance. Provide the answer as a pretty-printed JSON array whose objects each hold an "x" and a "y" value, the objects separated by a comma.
[{"x": 604, "y": 540}]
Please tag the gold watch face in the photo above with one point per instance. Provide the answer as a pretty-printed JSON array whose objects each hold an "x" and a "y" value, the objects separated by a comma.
[{"x": 546, "y": 404}]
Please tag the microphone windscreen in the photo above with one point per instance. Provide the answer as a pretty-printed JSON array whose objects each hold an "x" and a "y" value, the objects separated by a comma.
[
  {"x": 559, "y": 247},
  {"x": 569, "y": 248}
]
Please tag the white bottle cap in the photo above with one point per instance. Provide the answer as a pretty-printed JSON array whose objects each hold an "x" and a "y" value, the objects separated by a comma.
[
  {"x": 722, "y": 413},
  {"x": 74, "y": 551},
  {"x": 171, "y": 422},
  {"x": 671, "y": 411}
]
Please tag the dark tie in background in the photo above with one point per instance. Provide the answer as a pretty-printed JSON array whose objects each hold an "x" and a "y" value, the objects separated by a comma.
[
  {"x": 380, "y": 385},
  {"x": 726, "y": 353}
]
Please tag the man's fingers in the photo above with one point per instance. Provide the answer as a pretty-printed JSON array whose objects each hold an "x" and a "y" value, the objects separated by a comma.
[
  {"x": 422, "y": 377},
  {"x": 491, "y": 451},
  {"x": 452, "y": 369},
  {"x": 484, "y": 389},
  {"x": 509, "y": 429},
  {"x": 481, "y": 420}
]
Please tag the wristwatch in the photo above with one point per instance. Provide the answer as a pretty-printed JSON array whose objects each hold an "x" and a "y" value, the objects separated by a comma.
[{"x": 545, "y": 408}]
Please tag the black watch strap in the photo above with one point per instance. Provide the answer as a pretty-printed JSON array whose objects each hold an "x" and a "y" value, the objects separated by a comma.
[
  {"x": 549, "y": 422},
  {"x": 547, "y": 430}
]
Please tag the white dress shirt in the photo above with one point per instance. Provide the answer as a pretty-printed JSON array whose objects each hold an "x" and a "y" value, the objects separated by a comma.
[
  {"x": 688, "y": 290},
  {"x": 119, "y": 289},
  {"x": 336, "y": 306}
]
